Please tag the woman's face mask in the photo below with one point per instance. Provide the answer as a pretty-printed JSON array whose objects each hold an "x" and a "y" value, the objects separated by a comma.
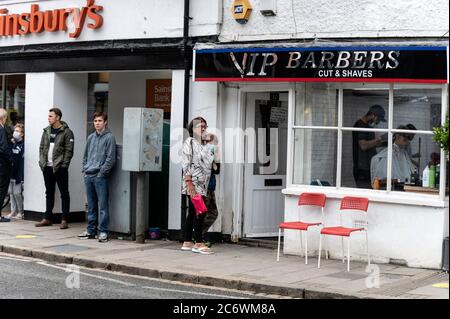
[{"x": 17, "y": 136}]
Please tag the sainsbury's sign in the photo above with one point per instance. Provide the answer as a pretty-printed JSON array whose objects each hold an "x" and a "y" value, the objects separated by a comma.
[
  {"x": 323, "y": 64},
  {"x": 36, "y": 21}
]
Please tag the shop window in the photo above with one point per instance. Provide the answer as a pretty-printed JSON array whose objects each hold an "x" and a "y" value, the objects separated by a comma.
[
  {"x": 354, "y": 147},
  {"x": 12, "y": 97},
  {"x": 315, "y": 157},
  {"x": 365, "y": 118},
  {"x": 98, "y": 88}
]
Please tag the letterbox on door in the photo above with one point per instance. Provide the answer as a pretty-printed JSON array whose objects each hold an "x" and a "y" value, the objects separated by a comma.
[{"x": 142, "y": 139}]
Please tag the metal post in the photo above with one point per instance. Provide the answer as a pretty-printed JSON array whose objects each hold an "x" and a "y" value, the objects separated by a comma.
[{"x": 140, "y": 207}]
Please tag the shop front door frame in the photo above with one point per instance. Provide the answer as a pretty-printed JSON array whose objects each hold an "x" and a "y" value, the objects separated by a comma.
[{"x": 239, "y": 168}]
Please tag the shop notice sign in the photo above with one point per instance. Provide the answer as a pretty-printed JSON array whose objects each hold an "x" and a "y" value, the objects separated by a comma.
[
  {"x": 368, "y": 64},
  {"x": 38, "y": 21}
]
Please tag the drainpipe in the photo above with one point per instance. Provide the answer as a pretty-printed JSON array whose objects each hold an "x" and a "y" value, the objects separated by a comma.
[{"x": 187, "y": 68}]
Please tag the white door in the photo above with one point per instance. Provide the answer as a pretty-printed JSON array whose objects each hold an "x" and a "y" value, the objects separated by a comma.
[{"x": 265, "y": 162}]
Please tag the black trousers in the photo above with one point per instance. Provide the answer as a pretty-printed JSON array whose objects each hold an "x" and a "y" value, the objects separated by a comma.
[
  {"x": 194, "y": 224},
  {"x": 5, "y": 177},
  {"x": 61, "y": 177}
]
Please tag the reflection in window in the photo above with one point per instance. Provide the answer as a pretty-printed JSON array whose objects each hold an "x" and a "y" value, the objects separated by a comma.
[{"x": 315, "y": 157}]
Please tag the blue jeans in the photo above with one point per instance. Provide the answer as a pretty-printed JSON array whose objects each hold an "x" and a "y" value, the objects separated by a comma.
[{"x": 97, "y": 192}]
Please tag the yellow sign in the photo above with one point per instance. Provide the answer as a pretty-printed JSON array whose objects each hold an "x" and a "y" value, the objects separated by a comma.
[
  {"x": 241, "y": 10},
  {"x": 25, "y": 236}
]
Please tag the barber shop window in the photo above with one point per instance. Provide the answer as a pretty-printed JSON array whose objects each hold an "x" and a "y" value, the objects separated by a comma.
[{"x": 369, "y": 136}]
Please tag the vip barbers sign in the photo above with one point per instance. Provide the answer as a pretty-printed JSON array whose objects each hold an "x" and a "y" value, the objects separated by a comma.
[{"x": 368, "y": 64}]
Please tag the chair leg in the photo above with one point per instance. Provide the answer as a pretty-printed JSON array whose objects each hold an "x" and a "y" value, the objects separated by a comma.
[
  {"x": 279, "y": 239},
  {"x": 320, "y": 249},
  {"x": 306, "y": 247},
  {"x": 343, "y": 252},
  {"x": 367, "y": 245},
  {"x": 348, "y": 254},
  {"x": 301, "y": 241},
  {"x": 326, "y": 248}
]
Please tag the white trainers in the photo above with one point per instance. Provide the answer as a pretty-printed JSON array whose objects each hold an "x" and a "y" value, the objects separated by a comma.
[
  {"x": 19, "y": 216},
  {"x": 103, "y": 237},
  {"x": 11, "y": 215}
]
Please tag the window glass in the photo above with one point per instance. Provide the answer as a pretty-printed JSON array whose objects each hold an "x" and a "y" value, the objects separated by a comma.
[
  {"x": 315, "y": 157},
  {"x": 419, "y": 107},
  {"x": 317, "y": 105}
]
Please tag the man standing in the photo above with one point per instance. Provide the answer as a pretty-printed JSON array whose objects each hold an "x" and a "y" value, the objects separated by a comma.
[
  {"x": 99, "y": 158},
  {"x": 55, "y": 154},
  {"x": 5, "y": 162},
  {"x": 365, "y": 144}
]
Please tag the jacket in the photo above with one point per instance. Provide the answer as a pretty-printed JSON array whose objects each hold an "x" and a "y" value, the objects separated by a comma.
[
  {"x": 18, "y": 162},
  {"x": 63, "y": 150},
  {"x": 5, "y": 151},
  {"x": 99, "y": 154}
]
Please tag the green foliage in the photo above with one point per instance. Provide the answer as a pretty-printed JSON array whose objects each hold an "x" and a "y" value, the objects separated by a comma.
[{"x": 441, "y": 136}]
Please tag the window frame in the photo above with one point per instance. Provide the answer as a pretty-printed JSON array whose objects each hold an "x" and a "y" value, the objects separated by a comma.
[{"x": 340, "y": 87}]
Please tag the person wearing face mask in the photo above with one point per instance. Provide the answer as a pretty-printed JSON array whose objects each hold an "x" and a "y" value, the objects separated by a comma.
[
  {"x": 365, "y": 144},
  {"x": 5, "y": 161},
  {"x": 402, "y": 165},
  {"x": 16, "y": 183}
]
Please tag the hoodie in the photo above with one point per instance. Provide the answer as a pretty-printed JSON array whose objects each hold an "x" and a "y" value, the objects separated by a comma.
[{"x": 99, "y": 154}]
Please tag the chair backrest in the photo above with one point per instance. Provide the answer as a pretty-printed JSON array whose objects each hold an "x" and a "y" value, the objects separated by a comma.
[
  {"x": 355, "y": 203},
  {"x": 312, "y": 199},
  {"x": 358, "y": 205}
]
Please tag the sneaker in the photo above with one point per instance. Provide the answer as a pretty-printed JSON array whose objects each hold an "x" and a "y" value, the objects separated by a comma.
[
  {"x": 103, "y": 237},
  {"x": 4, "y": 220},
  {"x": 11, "y": 215},
  {"x": 19, "y": 216},
  {"x": 204, "y": 250},
  {"x": 86, "y": 235},
  {"x": 43, "y": 223},
  {"x": 187, "y": 246}
]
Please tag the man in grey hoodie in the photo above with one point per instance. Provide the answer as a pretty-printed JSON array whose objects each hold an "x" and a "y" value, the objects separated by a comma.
[{"x": 99, "y": 158}]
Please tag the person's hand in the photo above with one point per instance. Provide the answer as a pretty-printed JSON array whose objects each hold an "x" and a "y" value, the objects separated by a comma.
[{"x": 190, "y": 188}]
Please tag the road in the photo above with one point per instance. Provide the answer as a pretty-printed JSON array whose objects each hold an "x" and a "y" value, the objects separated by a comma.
[{"x": 24, "y": 278}]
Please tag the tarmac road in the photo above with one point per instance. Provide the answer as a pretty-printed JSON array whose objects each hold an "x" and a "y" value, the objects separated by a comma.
[{"x": 28, "y": 278}]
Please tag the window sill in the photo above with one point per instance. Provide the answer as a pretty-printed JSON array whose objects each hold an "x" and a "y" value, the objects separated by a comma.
[{"x": 414, "y": 199}]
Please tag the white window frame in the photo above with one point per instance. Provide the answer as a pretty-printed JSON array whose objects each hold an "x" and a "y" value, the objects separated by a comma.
[{"x": 293, "y": 188}]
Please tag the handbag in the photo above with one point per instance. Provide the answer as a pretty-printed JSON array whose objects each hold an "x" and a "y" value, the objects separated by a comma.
[{"x": 199, "y": 204}]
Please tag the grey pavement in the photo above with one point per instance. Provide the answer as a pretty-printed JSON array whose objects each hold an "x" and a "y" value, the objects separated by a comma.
[{"x": 232, "y": 266}]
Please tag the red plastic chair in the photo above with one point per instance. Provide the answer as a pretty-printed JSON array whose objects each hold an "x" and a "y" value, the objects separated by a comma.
[
  {"x": 310, "y": 199},
  {"x": 358, "y": 204}
]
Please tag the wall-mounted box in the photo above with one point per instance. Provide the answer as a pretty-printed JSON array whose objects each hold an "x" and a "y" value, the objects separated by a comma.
[
  {"x": 268, "y": 7},
  {"x": 142, "y": 139}
]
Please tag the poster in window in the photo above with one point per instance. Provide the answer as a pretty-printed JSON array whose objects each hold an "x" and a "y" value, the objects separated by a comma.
[{"x": 159, "y": 93}]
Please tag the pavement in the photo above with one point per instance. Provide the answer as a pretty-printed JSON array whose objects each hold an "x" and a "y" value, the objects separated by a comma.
[{"x": 232, "y": 266}]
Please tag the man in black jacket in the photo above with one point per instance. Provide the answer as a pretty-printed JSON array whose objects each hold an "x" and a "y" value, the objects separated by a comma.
[{"x": 5, "y": 161}]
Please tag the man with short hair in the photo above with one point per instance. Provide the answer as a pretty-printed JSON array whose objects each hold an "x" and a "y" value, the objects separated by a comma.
[
  {"x": 98, "y": 161},
  {"x": 5, "y": 161},
  {"x": 365, "y": 144},
  {"x": 402, "y": 166},
  {"x": 55, "y": 154}
]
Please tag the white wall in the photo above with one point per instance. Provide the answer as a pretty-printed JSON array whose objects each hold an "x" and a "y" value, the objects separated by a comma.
[
  {"x": 313, "y": 19},
  {"x": 412, "y": 234},
  {"x": 69, "y": 93},
  {"x": 127, "y": 89},
  {"x": 132, "y": 19},
  {"x": 176, "y": 142}
]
